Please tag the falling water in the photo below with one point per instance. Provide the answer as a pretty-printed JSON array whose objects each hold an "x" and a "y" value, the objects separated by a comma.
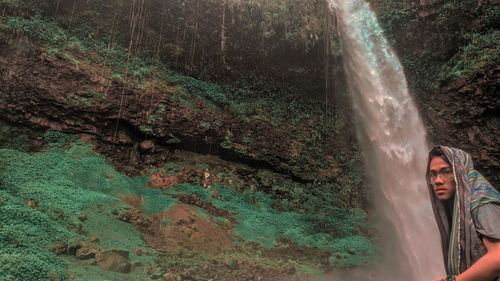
[{"x": 394, "y": 138}]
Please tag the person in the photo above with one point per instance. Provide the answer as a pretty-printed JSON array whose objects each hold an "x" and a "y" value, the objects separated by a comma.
[{"x": 467, "y": 212}]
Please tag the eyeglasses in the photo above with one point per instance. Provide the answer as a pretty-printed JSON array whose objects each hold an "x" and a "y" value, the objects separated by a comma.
[{"x": 445, "y": 174}]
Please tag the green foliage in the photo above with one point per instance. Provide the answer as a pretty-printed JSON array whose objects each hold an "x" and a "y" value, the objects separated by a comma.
[
  {"x": 455, "y": 39},
  {"x": 19, "y": 142},
  {"x": 14, "y": 138},
  {"x": 490, "y": 17},
  {"x": 28, "y": 264},
  {"x": 481, "y": 52},
  {"x": 56, "y": 139},
  {"x": 18, "y": 7},
  {"x": 283, "y": 34},
  {"x": 228, "y": 142},
  {"x": 38, "y": 28},
  {"x": 284, "y": 105},
  {"x": 209, "y": 90},
  {"x": 352, "y": 251},
  {"x": 322, "y": 200},
  {"x": 259, "y": 221},
  {"x": 204, "y": 125},
  {"x": 393, "y": 18}
]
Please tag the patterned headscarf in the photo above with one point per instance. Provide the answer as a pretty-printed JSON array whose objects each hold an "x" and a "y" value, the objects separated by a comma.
[{"x": 461, "y": 243}]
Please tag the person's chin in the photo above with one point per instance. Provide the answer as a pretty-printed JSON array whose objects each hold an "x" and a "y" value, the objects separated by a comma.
[{"x": 442, "y": 195}]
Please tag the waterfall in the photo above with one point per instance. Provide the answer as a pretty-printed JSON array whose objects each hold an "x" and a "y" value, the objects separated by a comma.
[{"x": 392, "y": 135}]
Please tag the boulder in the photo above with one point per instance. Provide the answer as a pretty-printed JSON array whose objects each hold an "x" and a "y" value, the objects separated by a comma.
[{"x": 114, "y": 260}]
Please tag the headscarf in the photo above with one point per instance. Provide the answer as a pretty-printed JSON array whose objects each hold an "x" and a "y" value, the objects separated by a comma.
[{"x": 461, "y": 243}]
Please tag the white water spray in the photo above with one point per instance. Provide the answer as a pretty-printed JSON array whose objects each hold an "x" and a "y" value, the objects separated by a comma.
[{"x": 394, "y": 138}]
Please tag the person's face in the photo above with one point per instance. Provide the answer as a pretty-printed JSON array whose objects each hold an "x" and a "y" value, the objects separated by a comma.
[{"x": 441, "y": 176}]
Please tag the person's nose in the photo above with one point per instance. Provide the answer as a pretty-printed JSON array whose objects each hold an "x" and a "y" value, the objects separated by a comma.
[{"x": 439, "y": 179}]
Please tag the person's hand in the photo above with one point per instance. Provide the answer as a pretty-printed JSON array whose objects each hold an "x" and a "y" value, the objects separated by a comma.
[{"x": 439, "y": 279}]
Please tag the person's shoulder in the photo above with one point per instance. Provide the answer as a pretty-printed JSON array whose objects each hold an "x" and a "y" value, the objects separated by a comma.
[
  {"x": 486, "y": 210},
  {"x": 486, "y": 219}
]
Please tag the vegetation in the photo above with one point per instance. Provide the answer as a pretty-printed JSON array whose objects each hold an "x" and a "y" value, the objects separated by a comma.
[
  {"x": 447, "y": 47},
  {"x": 209, "y": 55},
  {"x": 201, "y": 38},
  {"x": 70, "y": 179}
]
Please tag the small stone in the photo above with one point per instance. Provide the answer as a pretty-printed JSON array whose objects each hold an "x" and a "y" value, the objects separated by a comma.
[
  {"x": 32, "y": 203},
  {"x": 215, "y": 194},
  {"x": 227, "y": 224},
  {"x": 138, "y": 252},
  {"x": 82, "y": 217},
  {"x": 94, "y": 239},
  {"x": 60, "y": 249}
]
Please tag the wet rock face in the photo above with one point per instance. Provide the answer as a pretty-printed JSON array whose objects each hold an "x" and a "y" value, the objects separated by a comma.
[
  {"x": 50, "y": 93},
  {"x": 466, "y": 115}
]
